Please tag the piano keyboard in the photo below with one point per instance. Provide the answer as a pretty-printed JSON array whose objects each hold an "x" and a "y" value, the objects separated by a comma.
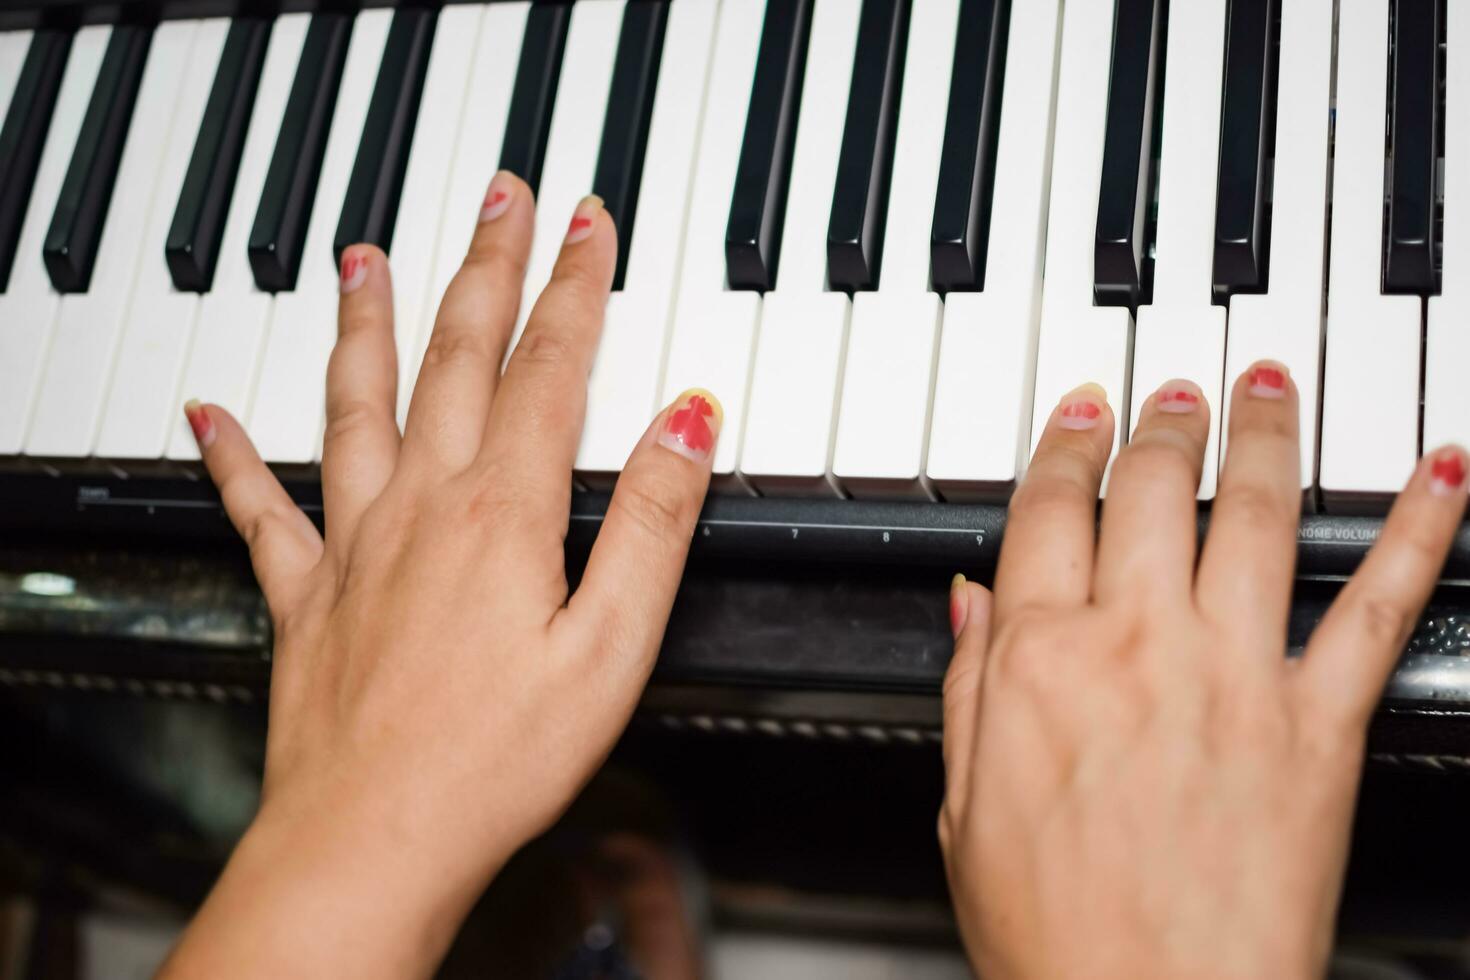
[{"x": 889, "y": 234}]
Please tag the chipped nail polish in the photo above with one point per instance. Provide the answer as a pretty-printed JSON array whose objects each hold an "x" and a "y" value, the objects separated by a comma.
[
  {"x": 1268, "y": 381},
  {"x": 1176, "y": 400},
  {"x": 1447, "y": 474},
  {"x": 497, "y": 199},
  {"x": 959, "y": 606},
  {"x": 582, "y": 219},
  {"x": 354, "y": 271},
  {"x": 693, "y": 425},
  {"x": 1082, "y": 407},
  {"x": 200, "y": 422}
]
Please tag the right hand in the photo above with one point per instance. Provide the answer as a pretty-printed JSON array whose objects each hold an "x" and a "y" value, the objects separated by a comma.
[{"x": 1140, "y": 783}]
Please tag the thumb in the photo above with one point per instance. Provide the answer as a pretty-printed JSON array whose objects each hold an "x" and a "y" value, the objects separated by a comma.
[
  {"x": 634, "y": 570},
  {"x": 969, "y": 616}
]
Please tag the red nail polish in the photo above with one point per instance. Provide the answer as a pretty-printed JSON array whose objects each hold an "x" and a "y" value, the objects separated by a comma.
[
  {"x": 578, "y": 224},
  {"x": 354, "y": 271},
  {"x": 200, "y": 422},
  {"x": 1268, "y": 382},
  {"x": 1177, "y": 400},
  {"x": 691, "y": 430},
  {"x": 1447, "y": 473},
  {"x": 1080, "y": 415},
  {"x": 958, "y": 607}
]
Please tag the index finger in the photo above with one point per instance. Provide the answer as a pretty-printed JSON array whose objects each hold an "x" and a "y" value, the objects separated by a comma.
[
  {"x": 1051, "y": 532},
  {"x": 536, "y": 418}
]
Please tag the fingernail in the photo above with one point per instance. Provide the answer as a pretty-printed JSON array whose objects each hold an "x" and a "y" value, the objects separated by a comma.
[
  {"x": 354, "y": 270},
  {"x": 693, "y": 425},
  {"x": 959, "y": 604},
  {"x": 1082, "y": 407},
  {"x": 200, "y": 422},
  {"x": 1268, "y": 380},
  {"x": 1447, "y": 474},
  {"x": 581, "y": 227},
  {"x": 497, "y": 197},
  {"x": 1177, "y": 397}
]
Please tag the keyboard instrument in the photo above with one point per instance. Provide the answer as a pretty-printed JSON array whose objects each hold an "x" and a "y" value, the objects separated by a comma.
[{"x": 888, "y": 234}]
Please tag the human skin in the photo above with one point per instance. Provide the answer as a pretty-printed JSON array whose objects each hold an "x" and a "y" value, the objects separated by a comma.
[
  {"x": 438, "y": 694},
  {"x": 1140, "y": 782}
]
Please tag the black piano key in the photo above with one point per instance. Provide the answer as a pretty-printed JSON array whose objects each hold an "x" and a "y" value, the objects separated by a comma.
[
  {"x": 1409, "y": 263},
  {"x": 70, "y": 250},
  {"x": 629, "y": 109},
  {"x": 279, "y": 233},
  {"x": 23, "y": 136},
  {"x": 961, "y": 233},
  {"x": 758, "y": 203},
  {"x": 192, "y": 248},
  {"x": 1122, "y": 207},
  {"x": 528, "y": 123},
  {"x": 370, "y": 207},
  {"x": 1247, "y": 120},
  {"x": 860, "y": 196}
]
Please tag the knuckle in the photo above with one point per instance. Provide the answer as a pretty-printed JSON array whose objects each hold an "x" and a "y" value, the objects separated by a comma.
[
  {"x": 659, "y": 506},
  {"x": 490, "y": 258},
  {"x": 1052, "y": 495},
  {"x": 448, "y": 347},
  {"x": 1160, "y": 453},
  {"x": 1250, "y": 503},
  {"x": 348, "y": 415},
  {"x": 1382, "y": 622},
  {"x": 545, "y": 347}
]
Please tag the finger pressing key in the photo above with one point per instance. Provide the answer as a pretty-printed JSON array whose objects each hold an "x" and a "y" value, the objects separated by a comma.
[
  {"x": 1046, "y": 559},
  {"x": 1246, "y": 571},
  {"x": 536, "y": 420},
  {"x": 1353, "y": 649},
  {"x": 1146, "y": 546},
  {"x": 360, "y": 448},
  {"x": 451, "y": 400},
  {"x": 635, "y": 566}
]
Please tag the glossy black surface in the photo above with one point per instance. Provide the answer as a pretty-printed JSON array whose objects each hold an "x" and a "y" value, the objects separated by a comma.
[
  {"x": 23, "y": 136},
  {"x": 192, "y": 248},
  {"x": 860, "y": 197},
  {"x": 528, "y": 123},
  {"x": 1246, "y": 127},
  {"x": 619, "y": 170},
  {"x": 1122, "y": 205},
  {"x": 758, "y": 204},
  {"x": 279, "y": 233},
  {"x": 1408, "y": 265},
  {"x": 76, "y": 228},
  {"x": 370, "y": 208},
  {"x": 961, "y": 233}
]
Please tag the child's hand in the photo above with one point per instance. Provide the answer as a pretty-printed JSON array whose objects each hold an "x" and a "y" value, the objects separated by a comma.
[
  {"x": 1140, "y": 784},
  {"x": 437, "y": 697}
]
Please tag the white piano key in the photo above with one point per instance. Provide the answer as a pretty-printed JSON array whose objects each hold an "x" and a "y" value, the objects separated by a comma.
[
  {"x": 792, "y": 418},
  {"x": 713, "y": 336},
  {"x": 1370, "y": 397},
  {"x": 1079, "y": 341},
  {"x": 622, "y": 393},
  {"x": 1285, "y": 323},
  {"x": 229, "y": 332},
  {"x": 979, "y": 436},
  {"x": 288, "y": 407},
  {"x": 28, "y": 306},
  {"x": 573, "y": 140},
  {"x": 481, "y": 129},
  {"x": 1447, "y": 350},
  {"x": 421, "y": 207},
  {"x": 13, "y": 48},
  {"x": 142, "y": 396},
  {"x": 883, "y": 425},
  {"x": 1181, "y": 334},
  {"x": 89, "y": 325}
]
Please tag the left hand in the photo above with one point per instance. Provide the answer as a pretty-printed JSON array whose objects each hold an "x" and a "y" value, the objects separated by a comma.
[{"x": 438, "y": 694}]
